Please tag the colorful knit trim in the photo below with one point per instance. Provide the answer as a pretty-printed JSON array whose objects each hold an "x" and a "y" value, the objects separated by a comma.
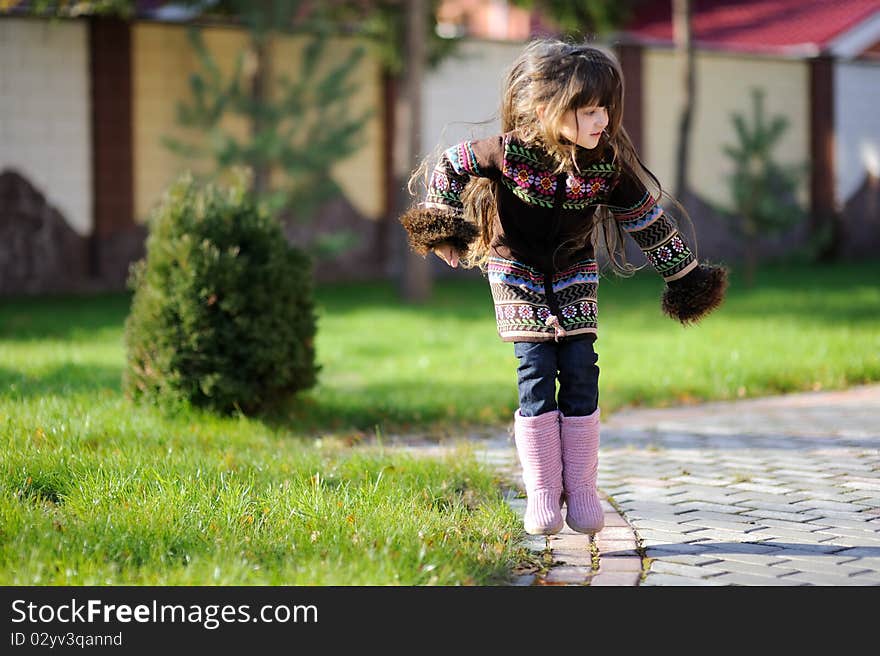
[
  {"x": 642, "y": 222},
  {"x": 521, "y": 308},
  {"x": 671, "y": 258},
  {"x": 445, "y": 187},
  {"x": 462, "y": 158},
  {"x": 635, "y": 212}
]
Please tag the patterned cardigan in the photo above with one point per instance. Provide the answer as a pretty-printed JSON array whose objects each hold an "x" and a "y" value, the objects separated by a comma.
[{"x": 542, "y": 269}]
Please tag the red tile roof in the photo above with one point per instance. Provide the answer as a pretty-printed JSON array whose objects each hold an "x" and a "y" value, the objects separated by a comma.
[{"x": 768, "y": 26}]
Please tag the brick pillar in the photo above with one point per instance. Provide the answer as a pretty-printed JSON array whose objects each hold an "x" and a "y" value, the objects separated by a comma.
[
  {"x": 823, "y": 210},
  {"x": 630, "y": 55},
  {"x": 116, "y": 240}
]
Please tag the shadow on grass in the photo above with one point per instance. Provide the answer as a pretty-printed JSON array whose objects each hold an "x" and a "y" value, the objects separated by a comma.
[
  {"x": 377, "y": 407},
  {"x": 61, "y": 317},
  {"x": 63, "y": 380}
]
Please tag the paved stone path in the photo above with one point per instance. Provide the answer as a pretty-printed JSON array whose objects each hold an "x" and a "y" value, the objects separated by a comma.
[{"x": 777, "y": 491}]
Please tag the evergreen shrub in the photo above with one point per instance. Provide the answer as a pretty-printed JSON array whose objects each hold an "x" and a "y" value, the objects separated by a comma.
[{"x": 222, "y": 315}]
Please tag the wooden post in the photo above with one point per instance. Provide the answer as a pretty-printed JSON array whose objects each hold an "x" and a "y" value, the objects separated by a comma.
[
  {"x": 416, "y": 283},
  {"x": 824, "y": 217},
  {"x": 683, "y": 32}
]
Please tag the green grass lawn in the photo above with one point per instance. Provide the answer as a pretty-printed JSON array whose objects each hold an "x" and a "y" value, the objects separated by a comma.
[
  {"x": 98, "y": 491},
  {"x": 400, "y": 367}
]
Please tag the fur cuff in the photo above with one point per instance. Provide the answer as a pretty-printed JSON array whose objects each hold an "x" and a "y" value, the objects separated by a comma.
[
  {"x": 429, "y": 227},
  {"x": 692, "y": 297}
]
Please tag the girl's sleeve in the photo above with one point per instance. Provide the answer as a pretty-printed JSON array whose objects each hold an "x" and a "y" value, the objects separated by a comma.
[
  {"x": 692, "y": 289},
  {"x": 440, "y": 218}
]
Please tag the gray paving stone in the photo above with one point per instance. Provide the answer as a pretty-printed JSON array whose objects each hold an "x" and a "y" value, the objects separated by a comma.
[
  {"x": 717, "y": 549},
  {"x": 535, "y": 543},
  {"x": 858, "y": 513},
  {"x": 838, "y": 494},
  {"x": 753, "y": 559},
  {"x": 739, "y": 518},
  {"x": 635, "y": 516},
  {"x": 687, "y": 559},
  {"x": 809, "y": 525},
  {"x": 679, "y": 569},
  {"x": 754, "y": 569},
  {"x": 863, "y": 485},
  {"x": 821, "y": 567},
  {"x": 838, "y": 522},
  {"x": 789, "y": 516},
  {"x": 868, "y": 577},
  {"x": 790, "y": 549},
  {"x": 756, "y": 487},
  {"x": 785, "y": 508},
  {"x": 784, "y": 535},
  {"x": 658, "y": 551},
  {"x": 657, "y": 525},
  {"x": 824, "y": 559},
  {"x": 865, "y": 532},
  {"x": 719, "y": 536},
  {"x": 740, "y": 578},
  {"x": 671, "y": 579},
  {"x": 708, "y": 506},
  {"x": 823, "y": 505},
  {"x": 721, "y": 525},
  {"x": 866, "y": 561},
  {"x": 524, "y": 579},
  {"x": 848, "y": 541},
  {"x": 815, "y": 578},
  {"x": 762, "y": 498},
  {"x": 872, "y": 552},
  {"x": 660, "y": 536},
  {"x": 801, "y": 473}
]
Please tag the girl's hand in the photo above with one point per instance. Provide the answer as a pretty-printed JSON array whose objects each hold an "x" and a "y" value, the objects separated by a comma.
[{"x": 448, "y": 254}]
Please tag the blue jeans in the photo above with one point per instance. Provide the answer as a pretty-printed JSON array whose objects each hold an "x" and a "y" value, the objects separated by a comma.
[{"x": 573, "y": 361}]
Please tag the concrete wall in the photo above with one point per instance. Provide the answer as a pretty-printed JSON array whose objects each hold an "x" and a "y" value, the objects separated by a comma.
[
  {"x": 466, "y": 89},
  {"x": 857, "y": 125},
  {"x": 857, "y": 155},
  {"x": 162, "y": 62},
  {"x": 723, "y": 84},
  {"x": 45, "y": 132}
]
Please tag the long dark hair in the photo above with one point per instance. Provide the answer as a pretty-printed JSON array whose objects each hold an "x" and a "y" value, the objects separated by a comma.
[{"x": 561, "y": 76}]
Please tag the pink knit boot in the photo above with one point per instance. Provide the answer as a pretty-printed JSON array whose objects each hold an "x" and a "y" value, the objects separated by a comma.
[
  {"x": 540, "y": 454},
  {"x": 580, "y": 458}
]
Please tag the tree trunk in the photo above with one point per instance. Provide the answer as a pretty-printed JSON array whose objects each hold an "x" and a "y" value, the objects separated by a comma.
[
  {"x": 750, "y": 232},
  {"x": 416, "y": 283},
  {"x": 683, "y": 31},
  {"x": 260, "y": 81}
]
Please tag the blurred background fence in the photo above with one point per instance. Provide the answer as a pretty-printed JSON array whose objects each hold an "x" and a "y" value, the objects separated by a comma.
[{"x": 85, "y": 102}]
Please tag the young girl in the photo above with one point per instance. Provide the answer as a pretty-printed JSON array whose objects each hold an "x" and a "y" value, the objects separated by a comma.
[{"x": 529, "y": 207}]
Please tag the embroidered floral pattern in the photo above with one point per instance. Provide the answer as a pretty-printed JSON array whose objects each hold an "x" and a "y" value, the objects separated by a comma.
[
  {"x": 597, "y": 186},
  {"x": 439, "y": 181},
  {"x": 575, "y": 187},
  {"x": 523, "y": 177},
  {"x": 588, "y": 310},
  {"x": 546, "y": 183},
  {"x": 671, "y": 257}
]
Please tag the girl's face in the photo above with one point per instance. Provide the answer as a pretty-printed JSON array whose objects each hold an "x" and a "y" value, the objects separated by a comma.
[{"x": 584, "y": 126}]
